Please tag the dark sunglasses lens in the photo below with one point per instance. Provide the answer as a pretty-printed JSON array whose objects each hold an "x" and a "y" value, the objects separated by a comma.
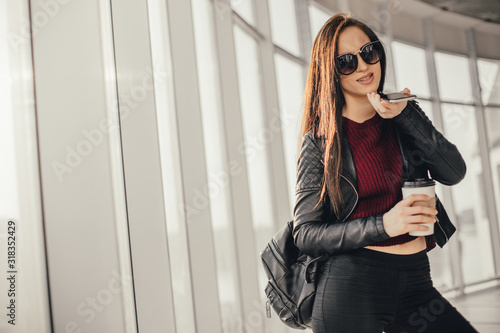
[
  {"x": 371, "y": 53},
  {"x": 347, "y": 63}
]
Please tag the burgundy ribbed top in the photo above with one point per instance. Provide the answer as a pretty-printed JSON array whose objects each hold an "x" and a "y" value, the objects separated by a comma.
[{"x": 379, "y": 170}]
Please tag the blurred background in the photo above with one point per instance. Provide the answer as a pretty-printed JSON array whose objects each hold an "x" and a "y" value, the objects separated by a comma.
[{"x": 148, "y": 151}]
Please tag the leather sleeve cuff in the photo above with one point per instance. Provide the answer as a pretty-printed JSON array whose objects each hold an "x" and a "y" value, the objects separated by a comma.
[
  {"x": 379, "y": 223},
  {"x": 403, "y": 113}
]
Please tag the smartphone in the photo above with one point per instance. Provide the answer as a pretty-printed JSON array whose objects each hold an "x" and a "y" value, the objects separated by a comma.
[{"x": 397, "y": 97}]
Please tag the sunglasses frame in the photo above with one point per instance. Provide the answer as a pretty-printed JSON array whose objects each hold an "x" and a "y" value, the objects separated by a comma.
[{"x": 355, "y": 57}]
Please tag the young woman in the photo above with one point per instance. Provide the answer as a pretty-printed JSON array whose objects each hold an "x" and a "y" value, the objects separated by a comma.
[{"x": 355, "y": 151}]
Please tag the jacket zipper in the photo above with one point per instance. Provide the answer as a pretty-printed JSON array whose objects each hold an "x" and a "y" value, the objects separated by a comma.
[
  {"x": 357, "y": 198},
  {"x": 444, "y": 233},
  {"x": 277, "y": 248},
  {"x": 406, "y": 171}
]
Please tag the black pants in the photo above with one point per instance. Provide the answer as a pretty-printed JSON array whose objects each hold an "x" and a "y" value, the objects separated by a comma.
[{"x": 366, "y": 291}]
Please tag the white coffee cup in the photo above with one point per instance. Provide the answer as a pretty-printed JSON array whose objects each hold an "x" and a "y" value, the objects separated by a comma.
[{"x": 421, "y": 186}]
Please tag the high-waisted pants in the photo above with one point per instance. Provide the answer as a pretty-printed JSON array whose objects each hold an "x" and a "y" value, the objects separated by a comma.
[{"x": 367, "y": 291}]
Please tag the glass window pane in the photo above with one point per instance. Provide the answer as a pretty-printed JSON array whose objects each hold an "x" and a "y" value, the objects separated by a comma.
[
  {"x": 317, "y": 17},
  {"x": 411, "y": 69},
  {"x": 219, "y": 194},
  {"x": 442, "y": 275},
  {"x": 489, "y": 79},
  {"x": 244, "y": 8},
  {"x": 177, "y": 235},
  {"x": 493, "y": 131},
  {"x": 441, "y": 266},
  {"x": 290, "y": 91},
  {"x": 256, "y": 138},
  {"x": 453, "y": 78},
  {"x": 20, "y": 189},
  {"x": 426, "y": 106},
  {"x": 284, "y": 25},
  {"x": 468, "y": 196},
  {"x": 439, "y": 258},
  {"x": 8, "y": 168},
  {"x": 390, "y": 84}
]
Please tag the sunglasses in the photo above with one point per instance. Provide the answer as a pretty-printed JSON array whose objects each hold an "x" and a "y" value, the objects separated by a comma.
[{"x": 371, "y": 53}]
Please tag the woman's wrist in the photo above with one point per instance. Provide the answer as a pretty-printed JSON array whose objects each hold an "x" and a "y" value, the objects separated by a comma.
[{"x": 404, "y": 113}]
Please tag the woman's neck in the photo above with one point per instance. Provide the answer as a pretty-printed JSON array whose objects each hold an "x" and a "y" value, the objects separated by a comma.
[{"x": 358, "y": 109}]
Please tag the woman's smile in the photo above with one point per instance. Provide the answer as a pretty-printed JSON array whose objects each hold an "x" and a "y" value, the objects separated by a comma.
[{"x": 366, "y": 79}]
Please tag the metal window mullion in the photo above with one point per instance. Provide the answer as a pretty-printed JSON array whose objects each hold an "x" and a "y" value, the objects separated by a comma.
[
  {"x": 489, "y": 191},
  {"x": 177, "y": 239},
  {"x": 444, "y": 101},
  {"x": 18, "y": 68},
  {"x": 244, "y": 233},
  {"x": 304, "y": 32},
  {"x": 386, "y": 28},
  {"x": 239, "y": 188},
  {"x": 144, "y": 194},
  {"x": 276, "y": 157},
  {"x": 455, "y": 253},
  {"x": 79, "y": 213},
  {"x": 116, "y": 161},
  {"x": 272, "y": 122},
  {"x": 285, "y": 54},
  {"x": 193, "y": 166},
  {"x": 245, "y": 26}
]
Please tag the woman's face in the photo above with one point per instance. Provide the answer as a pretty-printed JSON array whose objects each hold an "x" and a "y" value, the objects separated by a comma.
[{"x": 366, "y": 78}]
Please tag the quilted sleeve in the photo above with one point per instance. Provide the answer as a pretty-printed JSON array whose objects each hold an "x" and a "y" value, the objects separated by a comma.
[
  {"x": 310, "y": 166},
  {"x": 429, "y": 146}
]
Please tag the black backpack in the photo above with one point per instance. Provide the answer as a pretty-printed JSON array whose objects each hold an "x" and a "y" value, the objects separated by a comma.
[{"x": 292, "y": 279}]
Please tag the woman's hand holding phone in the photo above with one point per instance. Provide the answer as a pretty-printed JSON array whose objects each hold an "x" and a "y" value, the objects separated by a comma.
[{"x": 386, "y": 109}]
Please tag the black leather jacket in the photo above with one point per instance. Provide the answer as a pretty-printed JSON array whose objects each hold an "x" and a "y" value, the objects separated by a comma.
[{"x": 318, "y": 231}]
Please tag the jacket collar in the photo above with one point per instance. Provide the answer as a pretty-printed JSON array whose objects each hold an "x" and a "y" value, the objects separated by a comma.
[{"x": 348, "y": 167}]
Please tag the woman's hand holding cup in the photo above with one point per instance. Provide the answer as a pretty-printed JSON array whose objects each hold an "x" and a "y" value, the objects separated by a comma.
[{"x": 403, "y": 218}]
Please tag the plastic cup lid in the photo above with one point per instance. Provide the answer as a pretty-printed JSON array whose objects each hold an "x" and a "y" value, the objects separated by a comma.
[{"x": 418, "y": 182}]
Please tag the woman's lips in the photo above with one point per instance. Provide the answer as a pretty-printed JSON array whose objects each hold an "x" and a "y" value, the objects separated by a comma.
[{"x": 367, "y": 79}]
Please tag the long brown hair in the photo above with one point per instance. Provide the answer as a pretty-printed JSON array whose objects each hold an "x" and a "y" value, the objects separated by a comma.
[{"x": 324, "y": 101}]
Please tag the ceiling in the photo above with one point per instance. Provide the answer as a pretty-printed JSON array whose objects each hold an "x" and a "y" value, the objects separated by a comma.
[{"x": 486, "y": 10}]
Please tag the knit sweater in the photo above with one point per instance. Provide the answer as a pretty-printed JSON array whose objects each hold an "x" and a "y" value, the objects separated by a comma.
[{"x": 379, "y": 170}]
